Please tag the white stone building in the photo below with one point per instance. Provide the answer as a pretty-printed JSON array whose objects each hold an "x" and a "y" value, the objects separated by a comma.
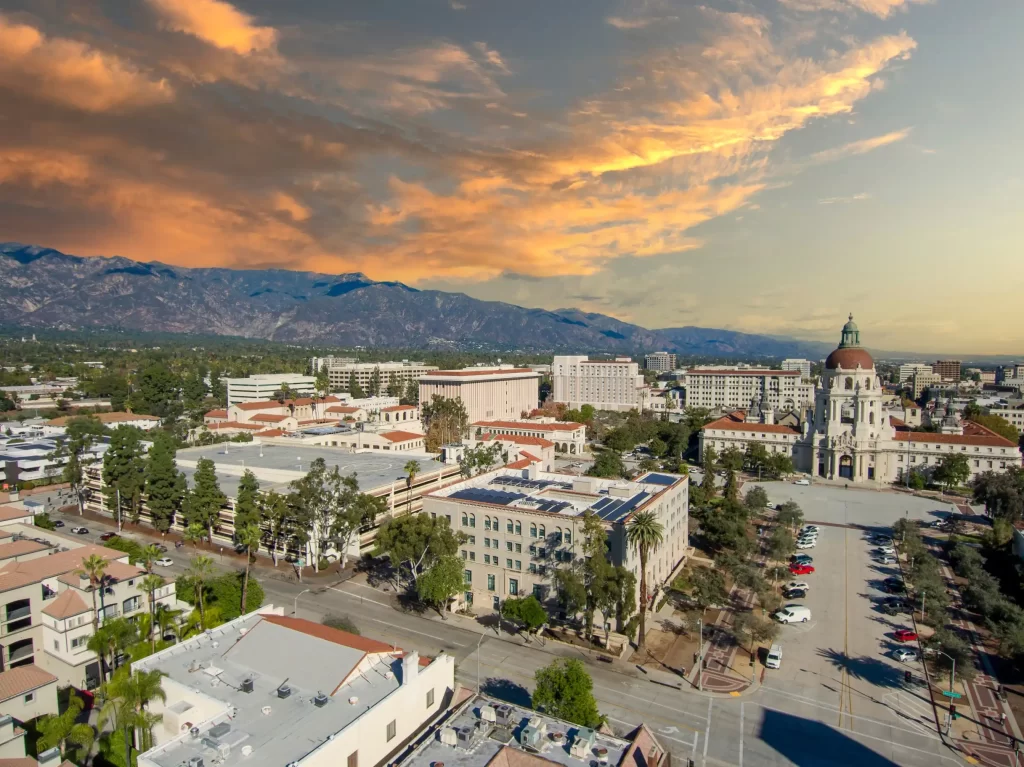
[
  {"x": 568, "y": 437},
  {"x": 341, "y": 369},
  {"x": 850, "y": 435},
  {"x": 801, "y": 365},
  {"x": 605, "y": 384},
  {"x": 488, "y": 393},
  {"x": 265, "y": 386},
  {"x": 721, "y": 388}
]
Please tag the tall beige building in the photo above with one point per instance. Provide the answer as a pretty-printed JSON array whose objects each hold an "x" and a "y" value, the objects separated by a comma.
[
  {"x": 487, "y": 393},
  {"x": 733, "y": 388},
  {"x": 606, "y": 384},
  {"x": 661, "y": 362},
  {"x": 341, "y": 369}
]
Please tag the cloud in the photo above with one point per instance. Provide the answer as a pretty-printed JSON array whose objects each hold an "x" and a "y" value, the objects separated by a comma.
[
  {"x": 216, "y": 22},
  {"x": 455, "y": 5},
  {"x": 842, "y": 200},
  {"x": 859, "y": 147},
  {"x": 73, "y": 74},
  {"x": 492, "y": 57},
  {"x": 620, "y": 23},
  {"x": 881, "y": 8}
]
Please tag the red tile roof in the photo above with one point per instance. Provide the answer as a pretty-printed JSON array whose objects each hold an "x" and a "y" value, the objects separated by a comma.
[
  {"x": 216, "y": 414},
  {"x": 328, "y": 634},
  {"x": 269, "y": 433},
  {"x": 397, "y": 407},
  {"x": 343, "y": 409},
  {"x": 531, "y": 425},
  {"x": 270, "y": 417},
  {"x": 522, "y": 463},
  {"x": 7, "y": 513},
  {"x": 705, "y": 372},
  {"x": 107, "y": 418},
  {"x": 734, "y": 422},
  {"x": 263, "y": 404},
  {"x": 974, "y": 434},
  {"x": 401, "y": 436},
  {"x": 518, "y": 439},
  {"x": 17, "y": 548},
  {"x": 477, "y": 372},
  {"x": 23, "y": 679},
  {"x": 232, "y": 425},
  {"x": 69, "y": 603}
]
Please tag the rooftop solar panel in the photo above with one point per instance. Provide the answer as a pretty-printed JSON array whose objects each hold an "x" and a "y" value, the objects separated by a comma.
[
  {"x": 622, "y": 511},
  {"x": 659, "y": 479},
  {"x": 602, "y": 503},
  {"x": 610, "y": 509},
  {"x": 482, "y": 495}
]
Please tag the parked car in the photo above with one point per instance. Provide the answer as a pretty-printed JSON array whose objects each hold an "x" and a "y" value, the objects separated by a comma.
[
  {"x": 904, "y": 635},
  {"x": 58, "y": 523},
  {"x": 80, "y": 530},
  {"x": 905, "y": 655},
  {"x": 885, "y": 559},
  {"x": 879, "y": 540},
  {"x": 798, "y": 569},
  {"x": 886, "y": 548},
  {"x": 810, "y": 529},
  {"x": 802, "y": 585},
  {"x": 164, "y": 562},
  {"x": 774, "y": 659},
  {"x": 793, "y": 614},
  {"x": 802, "y": 544},
  {"x": 802, "y": 482},
  {"x": 894, "y": 585},
  {"x": 796, "y": 594},
  {"x": 802, "y": 559},
  {"x": 108, "y": 536},
  {"x": 771, "y": 505}
]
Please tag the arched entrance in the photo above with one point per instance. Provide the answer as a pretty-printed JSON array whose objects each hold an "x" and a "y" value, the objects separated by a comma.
[{"x": 846, "y": 467}]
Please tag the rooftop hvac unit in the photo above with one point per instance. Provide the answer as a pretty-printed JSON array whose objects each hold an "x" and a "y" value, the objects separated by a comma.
[
  {"x": 449, "y": 736},
  {"x": 223, "y": 749},
  {"x": 465, "y": 736},
  {"x": 195, "y": 761},
  {"x": 584, "y": 741},
  {"x": 284, "y": 691},
  {"x": 531, "y": 738},
  {"x": 247, "y": 685},
  {"x": 320, "y": 700},
  {"x": 194, "y": 732},
  {"x": 246, "y": 750},
  {"x": 487, "y": 714},
  {"x": 503, "y": 714},
  {"x": 219, "y": 730}
]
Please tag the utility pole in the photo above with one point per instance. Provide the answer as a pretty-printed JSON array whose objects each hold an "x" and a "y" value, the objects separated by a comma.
[
  {"x": 700, "y": 652},
  {"x": 118, "y": 509}
]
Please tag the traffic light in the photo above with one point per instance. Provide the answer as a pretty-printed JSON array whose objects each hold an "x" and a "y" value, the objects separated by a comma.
[
  {"x": 908, "y": 677},
  {"x": 952, "y": 711}
]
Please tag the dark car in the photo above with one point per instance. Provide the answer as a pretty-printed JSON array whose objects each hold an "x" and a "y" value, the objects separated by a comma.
[
  {"x": 795, "y": 594},
  {"x": 58, "y": 523},
  {"x": 894, "y": 585},
  {"x": 108, "y": 536}
]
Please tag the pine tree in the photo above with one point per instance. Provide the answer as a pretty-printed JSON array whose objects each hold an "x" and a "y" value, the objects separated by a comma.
[
  {"x": 124, "y": 470},
  {"x": 375, "y": 382},
  {"x": 206, "y": 498},
  {"x": 165, "y": 485},
  {"x": 354, "y": 388},
  {"x": 246, "y": 510}
]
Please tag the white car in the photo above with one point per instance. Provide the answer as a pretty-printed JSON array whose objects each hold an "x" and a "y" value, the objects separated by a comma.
[
  {"x": 885, "y": 559},
  {"x": 807, "y": 537},
  {"x": 886, "y": 548},
  {"x": 164, "y": 562},
  {"x": 797, "y": 585},
  {"x": 793, "y": 614},
  {"x": 903, "y": 655},
  {"x": 810, "y": 529},
  {"x": 802, "y": 544},
  {"x": 802, "y": 482},
  {"x": 772, "y": 505}
]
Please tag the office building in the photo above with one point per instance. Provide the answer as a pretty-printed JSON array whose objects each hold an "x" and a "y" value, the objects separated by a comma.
[
  {"x": 502, "y": 393},
  {"x": 923, "y": 380},
  {"x": 661, "y": 362},
  {"x": 266, "y": 690},
  {"x": 722, "y": 388},
  {"x": 908, "y": 370},
  {"x": 24, "y": 459},
  {"x": 341, "y": 369},
  {"x": 1012, "y": 414},
  {"x": 523, "y": 524},
  {"x": 803, "y": 366},
  {"x": 947, "y": 370},
  {"x": 486, "y": 732},
  {"x": 263, "y": 387},
  {"x": 851, "y": 436},
  {"x": 605, "y": 384}
]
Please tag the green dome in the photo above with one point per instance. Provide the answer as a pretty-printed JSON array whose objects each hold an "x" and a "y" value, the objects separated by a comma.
[{"x": 851, "y": 325}]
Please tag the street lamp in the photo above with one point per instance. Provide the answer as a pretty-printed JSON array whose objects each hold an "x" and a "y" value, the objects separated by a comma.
[
  {"x": 952, "y": 674},
  {"x": 295, "y": 606},
  {"x": 481, "y": 639}
]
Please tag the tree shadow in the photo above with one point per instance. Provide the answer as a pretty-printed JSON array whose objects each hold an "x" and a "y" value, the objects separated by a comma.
[
  {"x": 507, "y": 690},
  {"x": 873, "y": 670},
  {"x": 379, "y": 572}
]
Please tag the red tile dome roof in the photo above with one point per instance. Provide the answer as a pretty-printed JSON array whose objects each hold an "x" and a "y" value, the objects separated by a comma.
[{"x": 849, "y": 359}]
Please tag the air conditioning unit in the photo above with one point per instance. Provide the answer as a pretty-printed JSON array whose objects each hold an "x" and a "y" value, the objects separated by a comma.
[
  {"x": 488, "y": 714},
  {"x": 195, "y": 761},
  {"x": 465, "y": 736},
  {"x": 284, "y": 691},
  {"x": 219, "y": 730},
  {"x": 247, "y": 685},
  {"x": 320, "y": 700},
  {"x": 449, "y": 736},
  {"x": 504, "y": 714},
  {"x": 584, "y": 741}
]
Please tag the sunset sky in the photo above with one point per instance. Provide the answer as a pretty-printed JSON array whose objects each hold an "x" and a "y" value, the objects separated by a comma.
[{"x": 758, "y": 165}]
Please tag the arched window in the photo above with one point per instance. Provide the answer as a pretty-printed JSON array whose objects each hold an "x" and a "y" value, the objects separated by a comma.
[
  {"x": 542, "y": 533},
  {"x": 849, "y": 383},
  {"x": 496, "y": 524},
  {"x": 465, "y": 520},
  {"x": 519, "y": 528},
  {"x": 533, "y": 531},
  {"x": 871, "y": 418},
  {"x": 472, "y": 520},
  {"x": 867, "y": 383}
]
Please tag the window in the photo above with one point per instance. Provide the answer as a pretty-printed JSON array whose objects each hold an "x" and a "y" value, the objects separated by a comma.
[
  {"x": 472, "y": 520},
  {"x": 519, "y": 548},
  {"x": 56, "y": 645},
  {"x": 464, "y": 554},
  {"x": 472, "y": 556},
  {"x": 487, "y": 559},
  {"x": 465, "y": 520},
  {"x": 519, "y": 528},
  {"x": 472, "y": 540},
  {"x": 353, "y": 759},
  {"x": 30, "y": 697},
  {"x": 79, "y": 642},
  {"x": 508, "y": 527},
  {"x": 508, "y": 563},
  {"x": 542, "y": 533},
  {"x": 487, "y": 523},
  {"x": 513, "y": 586},
  {"x": 490, "y": 583},
  {"x": 467, "y": 576},
  {"x": 430, "y": 697},
  {"x": 519, "y": 565},
  {"x": 392, "y": 730},
  {"x": 508, "y": 545},
  {"x": 533, "y": 551},
  {"x": 533, "y": 531},
  {"x": 487, "y": 543},
  {"x": 532, "y": 568},
  {"x": 568, "y": 537}
]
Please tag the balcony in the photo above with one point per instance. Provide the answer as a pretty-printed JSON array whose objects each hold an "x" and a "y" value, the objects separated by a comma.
[
  {"x": 19, "y": 612},
  {"x": 12, "y": 626}
]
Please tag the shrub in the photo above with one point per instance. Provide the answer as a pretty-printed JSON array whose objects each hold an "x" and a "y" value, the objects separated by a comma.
[
  {"x": 43, "y": 521},
  {"x": 341, "y": 622}
]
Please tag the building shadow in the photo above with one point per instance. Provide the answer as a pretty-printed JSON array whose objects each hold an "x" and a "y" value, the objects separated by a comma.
[
  {"x": 810, "y": 743},
  {"x": 507, "y": 690},
  {"x": 873, "y": 670}
]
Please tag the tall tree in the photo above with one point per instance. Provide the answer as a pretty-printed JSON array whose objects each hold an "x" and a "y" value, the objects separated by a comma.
[
  {"x": 564, "y": 690},
  {"x": 375, "y": 382},
  {"x": 354, "y": 388},
  {"x": 645, "y": 534},
  {"x": 395, "y": 387},
  {"x": 124, "y": 471},
  {"x": 439, "y": 584},
  {"x": 415, "y": 542},
  {"x": 94, "y": 567},
  {"x": 248, "y": 537},
  {"x": 276, "y": 514},
  {"x": 411, "y": 469},
  {"x": 156, "y": 392},
  {"x": 322, "y": 382},
  {"x": 351, "y": 514},
  {"x": 411, "y": 395},
  {"x": 148, "y": 585},
  {"x": 200, "y": 571},
  {"x": 953, "y": 470},
  {"x": 80, "y": 435},
  {"x": 446, "y": 420},
  {"x": 58, "y": 730},
  {"x": 312, "y": 501},
  {"x": 125, "y": 698},
  {"x": 708, "y": 460},
  {"x": 246, "y": 509},
  {"x": 165, "y": 485},
  {"x": 206, "y": 499}
]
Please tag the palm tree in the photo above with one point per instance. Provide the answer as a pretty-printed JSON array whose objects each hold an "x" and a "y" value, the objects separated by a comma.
[
  {"x": 249, "y": 537},
  {"x": 61, "y": 729},
  {"x": 194, "y": 533},
  {"x": 148, "y": 585},
  {"x": 110, "y": 640},
  {"x": 411, "y": 469},
  {"x": 167, "y": 620},
  {"x": 645, "y": 534},
  {"x": 125, "y": 698},
  {"x": 94, "y": 567},
  {"x": 200, "y": 571},
  {"x": 149, "y": 555}
]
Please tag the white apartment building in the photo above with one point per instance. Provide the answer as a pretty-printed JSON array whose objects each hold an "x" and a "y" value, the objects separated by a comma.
[
  {"x": 908, "y": 370},
  {"x": 488, "y": 393},
  {"x": 662, "y": 362},
  {"x": 721, "y": 388},
  {"x": 266, "y": 690},
  {"x": 341, "y": 369},
  {"x": 605, "y": 384},
  {"x": 35, "y": 459},
  {"x": 263, "y": 387},
  {"x": 924, "y": 379},
  {"x": 523, "y": 524},
  {"x": 801, "y": 365}
]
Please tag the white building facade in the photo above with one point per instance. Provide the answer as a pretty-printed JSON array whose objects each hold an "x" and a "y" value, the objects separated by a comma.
[
  {"x": 736, "y": 388},
  {"x": 341, "y": 369},
  {"x": 800, "y": 365},
  {"x": 263, "y": 387},
  {"x": 605, "y": 384},
  {"x": 487, "y": 393}
]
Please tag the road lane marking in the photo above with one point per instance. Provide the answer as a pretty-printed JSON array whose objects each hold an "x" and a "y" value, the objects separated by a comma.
[
  {"x": 361, "y": 599},
  {"x": 741, "y": 735},
  {"x": 707, "y": 731},
  {"x": 634, "y": 725},
  {"x": 414, "y": 631},
  {"x": 649, "y": 701}
]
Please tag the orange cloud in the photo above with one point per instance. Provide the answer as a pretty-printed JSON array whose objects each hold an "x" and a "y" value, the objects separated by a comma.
[
  {"x": 880, "y": 8},
  {"x": 218, "y": 23},
  {"x": 860, "y": 147},
  {"x": 71, "y": 73}
]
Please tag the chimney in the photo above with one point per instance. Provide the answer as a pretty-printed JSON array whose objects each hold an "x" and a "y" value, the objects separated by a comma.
[{"x": 410, "y": 667}]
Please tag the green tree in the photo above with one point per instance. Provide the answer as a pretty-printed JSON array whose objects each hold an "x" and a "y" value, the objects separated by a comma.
[
  {"x": 247, "y": 511},
  {"x": 412, "y": 393},
  {"x": 156, "y": 392},
  {"x": 645, "y": 534},
  {"x": 708, "y": 588},
  {"x": 999, "y": 425},
  {"x": 564, "y": 690},
  {"x": 789, "y": 515},
  {"x": 756, "y": 457},
  {"x": 756, "y": 499},
  {"x": 395, "y": 387},
  {"x": 148, "y": 586},
  {"x": 526, "y": 611},
  {"x": 125, "y": 698},
  {"x": 607, "y": 463},
  {"x": 917, "y": 481},
  {"x": 323, "y": 382},
  {"x": 731, "y": 459},
  {"x": 124, "y": 472},
  {"x": 200, "y": 570},
  {"x": 110, "y": 640},
  {"x": 94, "y": 567},
  {"x": 658, "y": 447},
  {"x": 276, "y": 514},
  {"x": 206, "y": 499},
  {"x": 731, "y": 492},
  {"x": 354, "y": 388},
  {"x": 57, "y": 731},
  {"x": 80, "y": 435},
  {"x": 165, "y": 485},
  {"x": 415, "y": 542},
  {"x": 248, "y": 537},
  {"x": 446, "y": 421},
  {"x": 441, "y": 583},
  {"x": 352, "y": 513},
  {"x": 375, "y": 382},
  {"x": 781, "y": 544},
  {"x": 708, "y": 461},
  {"x": 755, "y": 628},
  {"x": 478, "y": 459},
  {"x": 779, "y": 465},
  {"x": 953, "y": 470},
  {"x": 411, "y": 469}
]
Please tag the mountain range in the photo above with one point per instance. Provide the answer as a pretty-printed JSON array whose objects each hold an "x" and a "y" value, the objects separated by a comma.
[{"x": 45, "y": 288}]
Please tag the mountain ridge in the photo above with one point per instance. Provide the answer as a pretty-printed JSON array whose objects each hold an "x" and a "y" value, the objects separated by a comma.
[{"x": 51, "y": 289}]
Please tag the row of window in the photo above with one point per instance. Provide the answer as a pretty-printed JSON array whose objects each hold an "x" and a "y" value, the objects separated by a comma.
[
  {"x": 514, "y": 527},
  {"x": 513, "y": 584}
]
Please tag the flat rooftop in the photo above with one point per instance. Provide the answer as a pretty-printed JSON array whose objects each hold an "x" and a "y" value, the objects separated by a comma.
[
  {"x": 277, "y": 465},
  {"x": 510, "y": 740},
  {"x": 209, "y": 674},
  {"x": 611, "y": 499}
]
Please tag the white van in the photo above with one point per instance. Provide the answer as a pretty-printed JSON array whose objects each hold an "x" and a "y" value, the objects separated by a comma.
[
  {"x": 793, "y": 614},
  {"x": 802, "y": 482},
  {"x": 774, "y": 659}
]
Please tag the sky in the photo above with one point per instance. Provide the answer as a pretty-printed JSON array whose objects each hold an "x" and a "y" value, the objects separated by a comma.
[{"x": 759, "y": 165}]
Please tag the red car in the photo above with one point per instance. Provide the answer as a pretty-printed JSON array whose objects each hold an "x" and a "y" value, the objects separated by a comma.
[
  {"x": 108, "y": 536},
  {"x": 801, "y": 569},
  {"x": 905, "y": 635}
]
